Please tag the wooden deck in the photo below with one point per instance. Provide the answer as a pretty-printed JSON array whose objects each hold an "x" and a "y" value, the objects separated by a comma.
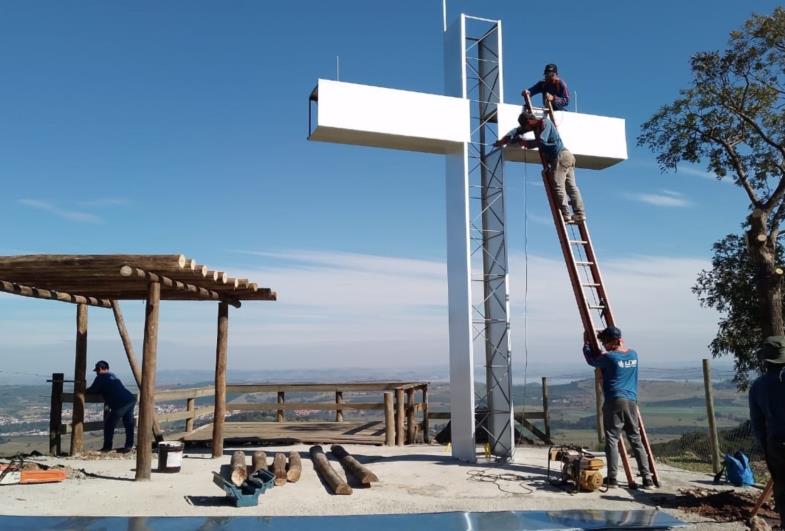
[{"x": 346, "y": 432}]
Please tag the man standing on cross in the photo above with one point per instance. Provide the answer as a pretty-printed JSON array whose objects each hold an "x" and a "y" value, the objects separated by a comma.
[
  {"x": 560, "y": 161},
  {"x": 552, "y": 88}
]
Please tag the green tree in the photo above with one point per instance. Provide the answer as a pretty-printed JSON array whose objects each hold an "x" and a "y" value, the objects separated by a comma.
[{"x": 732, "y": 118}]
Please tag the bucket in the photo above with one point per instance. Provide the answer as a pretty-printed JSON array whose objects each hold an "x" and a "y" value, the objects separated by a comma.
[{"x": 170, "y": 456}]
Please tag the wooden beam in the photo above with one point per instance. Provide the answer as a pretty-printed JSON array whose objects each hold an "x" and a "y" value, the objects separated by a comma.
[
  {"x": 55, "y": 414},
  {"x": 309, "y": 406},
  {"x": 279, "y": 416},
  {"x": 129, "y": 353},
  {"x": 279, "y": 469},
  {"x": 318, "y": 387},
  {"x": 37, "y": 293},
  {"x": 222, "y": 342},
  {"x": 545, "y": 406},
  {"x": 258, "y": 461},
  {"x": 411, "y": 426},
  {"x": 360, "y": 472},
  {"x": 338, "y": 402},
  {"x": 389, "y": 419},
  {"x": 295, "y": 468},
  {"x": 327, "y": 473},
  {"x": 238, "y": 471},
  {"x": 144, "y": 450},
  {"x": 399, "y": 417},
  {"x": 129, "y": 271},
  {"x": 80, "y": 375}
]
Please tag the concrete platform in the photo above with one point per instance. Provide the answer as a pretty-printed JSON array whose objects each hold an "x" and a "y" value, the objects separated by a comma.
[{"x": 413, "y": 479}]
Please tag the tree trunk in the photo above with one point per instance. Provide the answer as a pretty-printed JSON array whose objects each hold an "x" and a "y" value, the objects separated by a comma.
[{"x": 768, "y": 277}]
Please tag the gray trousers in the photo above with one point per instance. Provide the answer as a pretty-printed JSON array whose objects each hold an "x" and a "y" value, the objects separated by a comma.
[
  {"x": 621, "y": 414},
  {"x": 563, "y": 172}
]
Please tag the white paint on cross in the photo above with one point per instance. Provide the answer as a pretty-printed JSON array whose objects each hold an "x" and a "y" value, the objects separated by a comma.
[{"x": 349, "y": 113}]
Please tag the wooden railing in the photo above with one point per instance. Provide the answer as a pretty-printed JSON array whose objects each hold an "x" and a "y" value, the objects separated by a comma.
[
  {"x": 399, "y": 404},
  {"x": 57, "y": 428}
]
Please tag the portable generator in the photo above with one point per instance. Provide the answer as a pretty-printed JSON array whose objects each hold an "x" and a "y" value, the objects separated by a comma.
[{"x": 580, "y": 469}]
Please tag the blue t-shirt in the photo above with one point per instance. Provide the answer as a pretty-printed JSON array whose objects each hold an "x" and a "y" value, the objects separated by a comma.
[
  {"x": 619, "y": 372},
  {"x": 111, "y": 390}
]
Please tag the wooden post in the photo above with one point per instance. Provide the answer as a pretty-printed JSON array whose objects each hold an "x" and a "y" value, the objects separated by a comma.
[
  {"x": 426, "y": 427},
  {"x": 190, "y": 406},
  {"x": 279, "y": 413},
  {"x": 399, "y": 417},
  {"x": 411, "y": 427},
  {"x": 238, "y": 470},
  {"x": 598, "y": 403},
  {"x": 80, "y": 375},
  {"x": 295, "y": 468},
  {"x": 128, "y": 346},
  {"x": 339, "y": 401},
  {"x": 322, "y": 466},
  {"x": 389, "y": 419},
  {"x": 713, "y": 439},
  {"x": 56, "y": 414},
  {"x": 144, "y": 445},
  {"x": 545, "y": 417},
  {"x": 279, "y": 469},
  {"x": 360, "y": 472},
  {"x": 219, "y": 411},
  {"x": 258, "y": 461}
]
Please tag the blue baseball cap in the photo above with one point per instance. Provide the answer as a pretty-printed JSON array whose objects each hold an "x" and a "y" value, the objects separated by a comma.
[{"x": 101, "y": 365}]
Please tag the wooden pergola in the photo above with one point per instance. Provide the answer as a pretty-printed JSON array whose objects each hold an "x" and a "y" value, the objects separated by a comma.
[{"x": 103, "y": 280}]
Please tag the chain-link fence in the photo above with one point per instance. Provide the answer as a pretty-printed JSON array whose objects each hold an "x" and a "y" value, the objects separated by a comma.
[{"x": 695, "y": 448}]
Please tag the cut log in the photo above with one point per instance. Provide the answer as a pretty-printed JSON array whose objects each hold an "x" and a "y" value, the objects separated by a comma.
[
  {"x": 353, "y": 466},
  {"x": 258, "y": 461},
  {"x": 238, "y": 472},
  {"x": 295, "y": 468},
  {"x": 327, "y": 472},
  {"x": 279, "y": 469}
]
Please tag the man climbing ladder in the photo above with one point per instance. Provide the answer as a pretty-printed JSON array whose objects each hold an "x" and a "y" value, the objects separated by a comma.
[{"x": 585, "y": 278}]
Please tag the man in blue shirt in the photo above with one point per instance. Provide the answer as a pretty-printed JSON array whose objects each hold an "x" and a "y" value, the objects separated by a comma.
[
  {"x": 552, "y": 88},
  {"x": 121, "y": 404},
  {"x": 560, "y": 161},
  {"x": 619, "y": 368},
  {"x": 767, "y": 414}
]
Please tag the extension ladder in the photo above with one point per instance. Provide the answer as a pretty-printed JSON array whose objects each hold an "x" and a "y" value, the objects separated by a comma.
[{"x": 590, "y": 294}]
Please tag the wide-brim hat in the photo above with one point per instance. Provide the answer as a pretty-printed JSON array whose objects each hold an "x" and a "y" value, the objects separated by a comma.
[{"x": 772, "y": 350}]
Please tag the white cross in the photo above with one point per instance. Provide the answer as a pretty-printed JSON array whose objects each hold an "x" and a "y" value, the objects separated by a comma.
[{"x": 349, "y": 113}]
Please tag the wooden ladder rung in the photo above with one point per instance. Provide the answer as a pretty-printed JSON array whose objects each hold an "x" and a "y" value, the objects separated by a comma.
[{"x": 583, "y": 263}]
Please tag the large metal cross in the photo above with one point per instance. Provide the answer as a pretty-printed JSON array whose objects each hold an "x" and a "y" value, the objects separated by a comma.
[{"x": 462, "y": 125}]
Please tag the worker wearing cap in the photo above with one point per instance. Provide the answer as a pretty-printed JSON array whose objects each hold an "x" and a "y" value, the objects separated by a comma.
[
  {"x": 767, "y": 414},
  {"x": 560, "y": 161},
  {"x": 121, "y": 404},
  {"x": 552, "y": 88},
  {"x": 619, "y": 366}
]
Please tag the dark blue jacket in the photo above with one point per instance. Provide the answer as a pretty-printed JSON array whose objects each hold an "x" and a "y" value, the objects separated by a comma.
[
  {"x": 561, "y": 96},
  {"x": 767, "y": 405},
  {"x": 111, "y": 390},
  {"x": 619, "y": 372}
]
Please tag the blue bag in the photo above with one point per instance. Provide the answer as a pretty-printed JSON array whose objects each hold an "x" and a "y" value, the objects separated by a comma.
[{"x": 737, "y": 469}]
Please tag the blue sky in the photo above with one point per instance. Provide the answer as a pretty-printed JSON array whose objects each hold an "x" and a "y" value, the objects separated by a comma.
[{"x": 160, "y": 127}]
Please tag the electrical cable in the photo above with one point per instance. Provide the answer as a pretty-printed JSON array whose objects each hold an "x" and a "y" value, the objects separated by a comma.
[
  {"x": 489, "y": 476},
  {"x": 525, "y": 281}
]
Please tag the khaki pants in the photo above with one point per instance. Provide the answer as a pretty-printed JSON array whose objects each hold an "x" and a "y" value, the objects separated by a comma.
[{"x": 563, "y": 175}]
